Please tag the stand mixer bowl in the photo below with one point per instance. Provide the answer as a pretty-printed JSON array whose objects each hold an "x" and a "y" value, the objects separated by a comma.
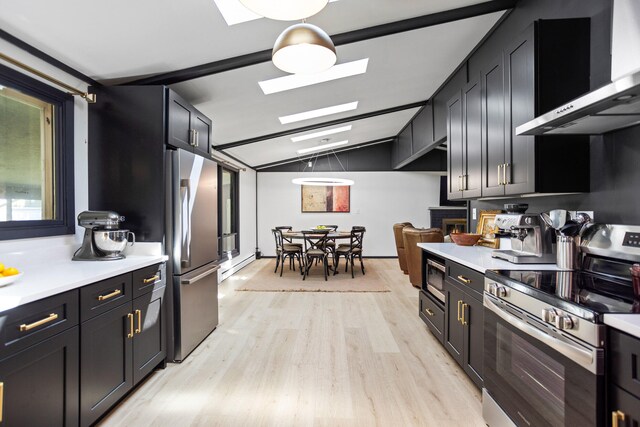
[{"x": 112, "y": 242}]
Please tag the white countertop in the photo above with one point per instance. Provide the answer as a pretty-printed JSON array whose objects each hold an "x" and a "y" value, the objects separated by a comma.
[
  {"x": 50, "y": 272},
  {"x": 478, "y": 257},
  {"x": 629, "y": 323}
]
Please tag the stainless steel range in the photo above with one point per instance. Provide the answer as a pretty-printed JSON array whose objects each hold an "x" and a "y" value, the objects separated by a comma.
[{"x": 545, "y": 338}]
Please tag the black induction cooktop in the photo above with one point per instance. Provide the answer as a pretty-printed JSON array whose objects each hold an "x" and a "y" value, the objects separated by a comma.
[{"x": 592, "y": 292}]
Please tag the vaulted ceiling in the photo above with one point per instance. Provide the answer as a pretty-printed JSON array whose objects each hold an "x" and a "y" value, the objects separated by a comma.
[{"x": 412, "y": 46}]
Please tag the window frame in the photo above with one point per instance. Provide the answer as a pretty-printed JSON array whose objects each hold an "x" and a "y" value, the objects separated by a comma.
[
  {"x": 235, "y": 220},
  {"x": 63, "y": 155}
]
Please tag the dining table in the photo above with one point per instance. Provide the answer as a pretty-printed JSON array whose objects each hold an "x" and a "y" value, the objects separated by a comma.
[{"x": 331, "y": 235}]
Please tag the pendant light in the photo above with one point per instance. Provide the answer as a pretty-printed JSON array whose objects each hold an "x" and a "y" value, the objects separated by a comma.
[
  {"x": 322, "y": 181},
  {"x": 285, "y": 10},
  {"x": 304, "y": 49}
]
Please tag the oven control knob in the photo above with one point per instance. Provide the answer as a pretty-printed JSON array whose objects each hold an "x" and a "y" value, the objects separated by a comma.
[
  {"x": 549, "y": 315},
  {"x": 500, "y": 291},
  {"x": 564, "y": 322}
]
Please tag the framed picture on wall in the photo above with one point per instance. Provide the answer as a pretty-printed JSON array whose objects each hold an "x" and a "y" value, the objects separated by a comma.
[
  {"x": 487, "y": 228},
  {"x": 325, "y": 198}
]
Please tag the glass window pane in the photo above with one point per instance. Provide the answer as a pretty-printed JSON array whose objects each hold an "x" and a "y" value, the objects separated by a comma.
[{"x": 27, "y": 167}]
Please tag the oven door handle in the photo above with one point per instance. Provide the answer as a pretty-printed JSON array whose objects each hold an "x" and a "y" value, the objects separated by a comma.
[{"x": 574, "y": 352}]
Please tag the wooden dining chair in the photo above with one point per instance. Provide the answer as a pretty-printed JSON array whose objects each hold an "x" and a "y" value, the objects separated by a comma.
[
  {"x": 351, "y": 250},
  {"x": 288, "y": 240},
  {"x": 285, "y": 250},
  {"x": 315, "y": 248},
  {"x": 331, "y": 243}
]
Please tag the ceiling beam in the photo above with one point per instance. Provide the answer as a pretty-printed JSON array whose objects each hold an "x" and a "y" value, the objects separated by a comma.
[
  {"x": 311, "y": 156},
  {"x": 320, "y": 125},
  {"x": 338, "y": 39},
  {"x": 46, "y": 58}
]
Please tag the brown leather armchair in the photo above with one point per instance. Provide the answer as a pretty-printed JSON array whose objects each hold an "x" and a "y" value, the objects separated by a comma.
[
  {"x": 397, "y": 233},
  {"x": 413, "y": 236}
]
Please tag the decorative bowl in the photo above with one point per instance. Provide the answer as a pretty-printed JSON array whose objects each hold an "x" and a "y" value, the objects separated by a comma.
[
  {"x": 465, "y": 239},
  {"x": 10, "y": 279}
]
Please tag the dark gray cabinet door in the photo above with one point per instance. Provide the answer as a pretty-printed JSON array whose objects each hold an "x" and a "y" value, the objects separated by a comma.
[
  {"x": 627, "y": 404},
  {"x": 493, "y": 128},
  {"x": 179, "y": 120},
  {"x": 473, "y": 320},
  {"x": 422, "y": 137},
  {"x": 472, "y": 144},
  {"x": 455, "y": 147},
  {"x": 440, "y": 102},
  {"x": 405, "y": 141},
  {"x": 202, "y": 126},
  {"x": 520, "y": 108},
  {"x": 106, "y": 362},
  {"x": 149, "y": 348},
  {"x": 454, "y": 330},
  {"x": 40, "y": 383}
]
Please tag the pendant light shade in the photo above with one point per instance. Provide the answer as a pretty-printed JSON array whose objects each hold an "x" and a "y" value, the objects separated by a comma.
[
  {"x": 285, "y": 10},
  {"x": 304, "y": 49}
]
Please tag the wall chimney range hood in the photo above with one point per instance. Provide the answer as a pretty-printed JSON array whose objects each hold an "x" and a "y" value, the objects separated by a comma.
[{"x": 611, "y": 107}]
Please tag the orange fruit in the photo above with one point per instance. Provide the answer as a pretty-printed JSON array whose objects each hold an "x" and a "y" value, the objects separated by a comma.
[
  {"x": 1, "y": 267},
  {"x": 11, "y": 271}
]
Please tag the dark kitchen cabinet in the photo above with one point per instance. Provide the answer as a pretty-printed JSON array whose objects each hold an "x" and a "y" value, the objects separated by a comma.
[
  {"x": 440, "y": 102},
  {"x": 432, "y": 314},
  {"x": 464, "y": 329},
  {"x": 546, "y": 66},
  {"x": 39, "y": 351},
  {"x": 123, "y": 345},
  {"x": 454, "y": 330},
  {"x": 464, "y": 143},
  {"x": 187, "y": 127},
  {"x": 39, "y": 385},
  {"x": 624, "y": 363},
  {"x": 422, "y": 136},
  {"x": 405, "y": 141},
  {"x": 130, "y": 129}
]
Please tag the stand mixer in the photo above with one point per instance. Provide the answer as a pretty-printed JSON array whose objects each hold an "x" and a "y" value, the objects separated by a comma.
[{"x": 103, "y": 239}]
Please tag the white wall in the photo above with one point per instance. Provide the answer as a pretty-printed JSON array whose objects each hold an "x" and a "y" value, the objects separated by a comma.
[
  {"x": 378, "y": 200},
  {"x": 80, "y": 150}
]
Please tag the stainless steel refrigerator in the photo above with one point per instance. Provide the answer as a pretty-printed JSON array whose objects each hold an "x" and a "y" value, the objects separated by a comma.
[{"x": 192, "y": 236}]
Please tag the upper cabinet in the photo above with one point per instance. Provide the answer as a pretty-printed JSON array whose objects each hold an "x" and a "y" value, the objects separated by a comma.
[
  {"x": 441, "y": 99},
  {"x": 187, "y": 127},
  {"x": 543, "y": 67}
]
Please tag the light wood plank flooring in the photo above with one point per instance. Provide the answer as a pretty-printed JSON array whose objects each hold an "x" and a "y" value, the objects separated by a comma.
[{"x": 310, "y": 359}]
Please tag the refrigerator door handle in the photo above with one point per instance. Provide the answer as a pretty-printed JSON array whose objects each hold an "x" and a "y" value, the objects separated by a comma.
[
  {"x": 200, "y": 276},
  {"x": 186, "y": 243}
]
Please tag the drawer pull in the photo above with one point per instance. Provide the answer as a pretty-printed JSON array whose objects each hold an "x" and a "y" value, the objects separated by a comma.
[
  {"x": 151, "y": 279},
  {"x": 464, "y": 279},
  {"x": 429, "y": 312},
  {"x": 616, "y": 417},
  {"x": 50, "y": 318},
  {"x": 108, "y": 296},
  {"x": 459, "y": 305},
  {"x": 139, "y": 328},
  {"x": 130, "y": 334}
]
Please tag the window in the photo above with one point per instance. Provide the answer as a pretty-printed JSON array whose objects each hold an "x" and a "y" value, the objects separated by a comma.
[
  {"x": 228, "y": 213},
  {"x": 36, "y": 158}
]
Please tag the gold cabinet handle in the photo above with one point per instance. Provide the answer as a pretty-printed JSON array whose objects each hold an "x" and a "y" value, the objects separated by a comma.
[
  {"x": 504, "y": 173},
  {"x": 1, "y": 399},
  {"x": 115, "y": 293},
  {"x": 429, "y": 312},
  {"x": 464, "y": 318},
  {"x": 499, "y": 182},
  {"x": 130, "y": 334},
  {"x": 459, "y": 305},
  {"x": 50, "y": 318},
  {"x": 616, "y": 417},
  {"x": 464, "y": 279},
  {"x": 151, "y": 279},
  {"x": 139, "y": 328}
]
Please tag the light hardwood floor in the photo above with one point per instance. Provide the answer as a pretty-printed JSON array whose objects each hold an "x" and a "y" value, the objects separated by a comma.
[{"x": 310, "y": 359}]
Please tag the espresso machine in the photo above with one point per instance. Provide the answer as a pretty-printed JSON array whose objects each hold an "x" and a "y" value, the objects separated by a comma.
[
  {"x": 532, "y": 240},
  {"x": 103, "y": 238}
]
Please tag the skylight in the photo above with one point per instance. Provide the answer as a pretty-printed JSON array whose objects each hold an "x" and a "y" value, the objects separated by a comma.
[
  {"x": 298, "y": 117},
  {"x": 322, "y": 147},
  {"x": 295, "y": 81},
  {"x": 321, "y": 133},
  {"x": 234, "y": 12}
]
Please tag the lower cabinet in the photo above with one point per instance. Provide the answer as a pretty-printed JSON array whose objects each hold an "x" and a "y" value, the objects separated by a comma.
[
  {"x": 39, "y": 385},
  {"x": 119, "y": 348},
  {"x": 432, "y": 315},
  {"x": 625, "y": 408},
  {"x": 624, "y": 389}
]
